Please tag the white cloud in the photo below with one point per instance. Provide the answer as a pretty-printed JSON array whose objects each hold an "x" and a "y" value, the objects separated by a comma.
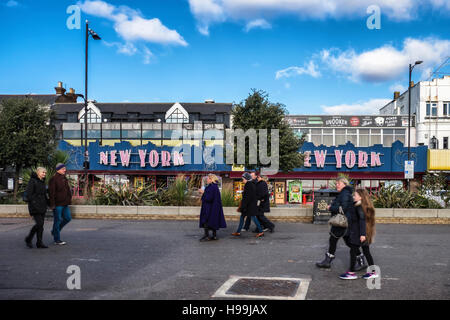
[
  {"x": 387, "y": 63},
  {"x": 258, "y": 23},
  {"x": 310, "y": 69},
  {"x": 131, "y": 25},
  {"x": 12, "y": 3},
  {"x": 365, "y": 107},
  {"x": 397, "y": 87},
  {"x": 209, "y": 12}
]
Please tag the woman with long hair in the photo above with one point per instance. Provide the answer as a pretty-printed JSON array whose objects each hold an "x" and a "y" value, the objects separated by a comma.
[{"x": 364, "y": 204}]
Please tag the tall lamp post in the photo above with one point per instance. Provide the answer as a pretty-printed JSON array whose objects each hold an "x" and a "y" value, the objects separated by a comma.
[
  {"x": 95, "y": 36},
  {"x": 411, "y": 67}
]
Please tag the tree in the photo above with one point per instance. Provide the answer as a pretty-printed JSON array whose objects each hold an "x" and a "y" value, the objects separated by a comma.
[
  {"x": 257, "y": 112},
  {"x": 27, "y": 135}
]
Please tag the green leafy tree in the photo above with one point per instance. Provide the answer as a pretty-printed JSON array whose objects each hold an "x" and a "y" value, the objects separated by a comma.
[
  {"x": 257, "y": 112},
  {"x": 27, "y": 135}
]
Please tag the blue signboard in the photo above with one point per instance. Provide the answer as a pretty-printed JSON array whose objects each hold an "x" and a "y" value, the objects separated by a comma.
[
  {"x": 123, "y": 156},
  {"x": 376, "y": 158}
]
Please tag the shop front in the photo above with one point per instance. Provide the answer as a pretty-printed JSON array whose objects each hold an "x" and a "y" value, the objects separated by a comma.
[{"x": 367, "y": 167}]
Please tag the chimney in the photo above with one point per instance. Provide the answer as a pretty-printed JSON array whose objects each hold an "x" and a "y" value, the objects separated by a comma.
[
  {"x": 59, "y": 89},
  {"x": 71, "y": 95},
  {"x": 411, "y": 84},
  {"x": 396, "y": 95}
]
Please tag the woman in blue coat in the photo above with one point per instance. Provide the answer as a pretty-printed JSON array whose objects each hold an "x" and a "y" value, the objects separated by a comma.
[{"x": 211, "y": 214}]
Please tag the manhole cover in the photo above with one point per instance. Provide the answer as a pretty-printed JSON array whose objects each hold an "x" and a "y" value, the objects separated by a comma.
[{"x": 264, "y": 288}]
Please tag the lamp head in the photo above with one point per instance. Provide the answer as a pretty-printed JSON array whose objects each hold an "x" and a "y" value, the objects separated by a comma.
[{"x": 419, "y": 62}]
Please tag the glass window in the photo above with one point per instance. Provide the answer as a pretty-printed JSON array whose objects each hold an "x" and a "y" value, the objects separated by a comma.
[
  {"x": 388, "y": 140},
  {"x": 320, "y": 184},
  {"x": 316, "y": 131},
  {"x": 351, "y": 136},
  {"x": 388, "y": 131},
  {"x": 316, "y": 139},
  {"x": 327, "y": 131},
  {"x": 328, "y": 140},
  {"x": 375, "y": 131},
  {"x": 446, "y": 110},
  {"x": 151, "y": 134},
  {"x": 428, "y": 109},
  {"x": 307, "y": 186},
  {"x": 92, "y": 117},
  {"x": 340, "y": 139},
  {"x": 131, "y": 134},
  {"x": 434, "y": 110},
  {"x": 71, "y": 134},
  {"x": 177, "y": 117},
  {"x": 375, "y": 139},
  {"x": 111, "y": 134},
  {"x": 364, "y": 140},
  {"x": 94, "y": 134}
]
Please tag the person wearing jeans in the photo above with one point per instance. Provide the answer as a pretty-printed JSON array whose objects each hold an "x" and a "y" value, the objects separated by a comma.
[
  {"x": 60, "y": 199},
  {"x": 249, "y": 207},
  {"x": 61, "y": 217}
]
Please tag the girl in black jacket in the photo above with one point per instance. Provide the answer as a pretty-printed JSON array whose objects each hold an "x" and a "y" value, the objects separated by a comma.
[{"x": 37, "y": 206}]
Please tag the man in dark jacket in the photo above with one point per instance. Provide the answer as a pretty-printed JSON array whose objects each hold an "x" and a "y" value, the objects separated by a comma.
[
  {"x": 37, "y": 206},
  {"x": 262, "y": 194},
  {"x": 60, "y": 199},
  {"x": 249, "y": 207}
]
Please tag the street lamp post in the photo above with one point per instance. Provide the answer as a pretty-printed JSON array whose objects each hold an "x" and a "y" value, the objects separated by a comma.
[
  {"x": 411, "y": 67},
  {"x": 95, "y": 36}
]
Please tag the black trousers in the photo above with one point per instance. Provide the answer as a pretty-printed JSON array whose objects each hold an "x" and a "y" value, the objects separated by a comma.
[
  {"x": 367, "y": 254},
  {"x": 333, "y": 245},
  {"x": 38, "y": 228},
  {"x": 263, "y": 220}
]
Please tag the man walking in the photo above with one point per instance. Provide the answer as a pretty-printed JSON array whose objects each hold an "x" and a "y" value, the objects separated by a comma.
[
  {"x": 60, "y": 199},
  {"x": 262, "y": 194}
]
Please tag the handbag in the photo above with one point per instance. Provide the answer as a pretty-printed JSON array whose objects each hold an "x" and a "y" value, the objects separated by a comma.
[{"x": 339, "y": 220}]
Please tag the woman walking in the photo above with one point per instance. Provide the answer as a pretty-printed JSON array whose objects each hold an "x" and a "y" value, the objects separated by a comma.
[
  {"x": 345, "y": 201},
  {"x": 211, "y": 213},
  {"x": 249, "y": 206},
  {"x": 37, "y": 206},
  {"x": 364, "y": 206}
]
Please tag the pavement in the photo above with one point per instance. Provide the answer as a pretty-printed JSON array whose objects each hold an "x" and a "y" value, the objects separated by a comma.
[{"x": 121, "y": 259}]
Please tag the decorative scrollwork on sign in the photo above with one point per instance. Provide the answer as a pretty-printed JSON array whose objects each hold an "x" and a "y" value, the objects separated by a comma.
[{"x": 401, "y": 156}]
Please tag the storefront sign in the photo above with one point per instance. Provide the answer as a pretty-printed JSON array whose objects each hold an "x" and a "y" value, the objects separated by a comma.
[
  {"x": 361, "y": 159},
  {"x": 349, "y": 121},
  {"x": 350, "y": 159}
]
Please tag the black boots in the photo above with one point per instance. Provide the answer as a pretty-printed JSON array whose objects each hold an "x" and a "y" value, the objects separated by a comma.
[
  {"x": 28, "y": 242},
  {"x": 360, "y": 263},
  {"x": 326, "y": 263},
  {"x": 206, "y": 236}
]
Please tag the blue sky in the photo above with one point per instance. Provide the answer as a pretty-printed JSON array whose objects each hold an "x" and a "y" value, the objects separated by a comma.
[{"x": 316, "y": 57}]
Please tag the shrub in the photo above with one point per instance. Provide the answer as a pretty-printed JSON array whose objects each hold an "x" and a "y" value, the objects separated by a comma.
[
  {"x": 228, "y": 197},
  {"x": 397, "y": 197}
]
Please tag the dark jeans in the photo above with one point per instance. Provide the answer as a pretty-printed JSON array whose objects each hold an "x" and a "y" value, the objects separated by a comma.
[
  {"x": 263, "y": 220},
  {"x": 255, "y": 220},
  {"x": 38, "y": 228},
  {"x": 61, "y": 217}
]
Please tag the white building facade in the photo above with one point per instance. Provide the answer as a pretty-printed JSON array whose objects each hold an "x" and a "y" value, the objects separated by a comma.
[{"x": 430, "y": 103}]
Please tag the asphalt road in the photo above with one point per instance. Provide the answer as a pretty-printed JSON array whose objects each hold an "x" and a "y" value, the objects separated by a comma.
[{"x": 165, "y": 260}]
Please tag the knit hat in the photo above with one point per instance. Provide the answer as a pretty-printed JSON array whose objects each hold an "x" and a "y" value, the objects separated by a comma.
[
  {"x": 59, "y": 166},
  {"x": 247, "y": 176}
]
